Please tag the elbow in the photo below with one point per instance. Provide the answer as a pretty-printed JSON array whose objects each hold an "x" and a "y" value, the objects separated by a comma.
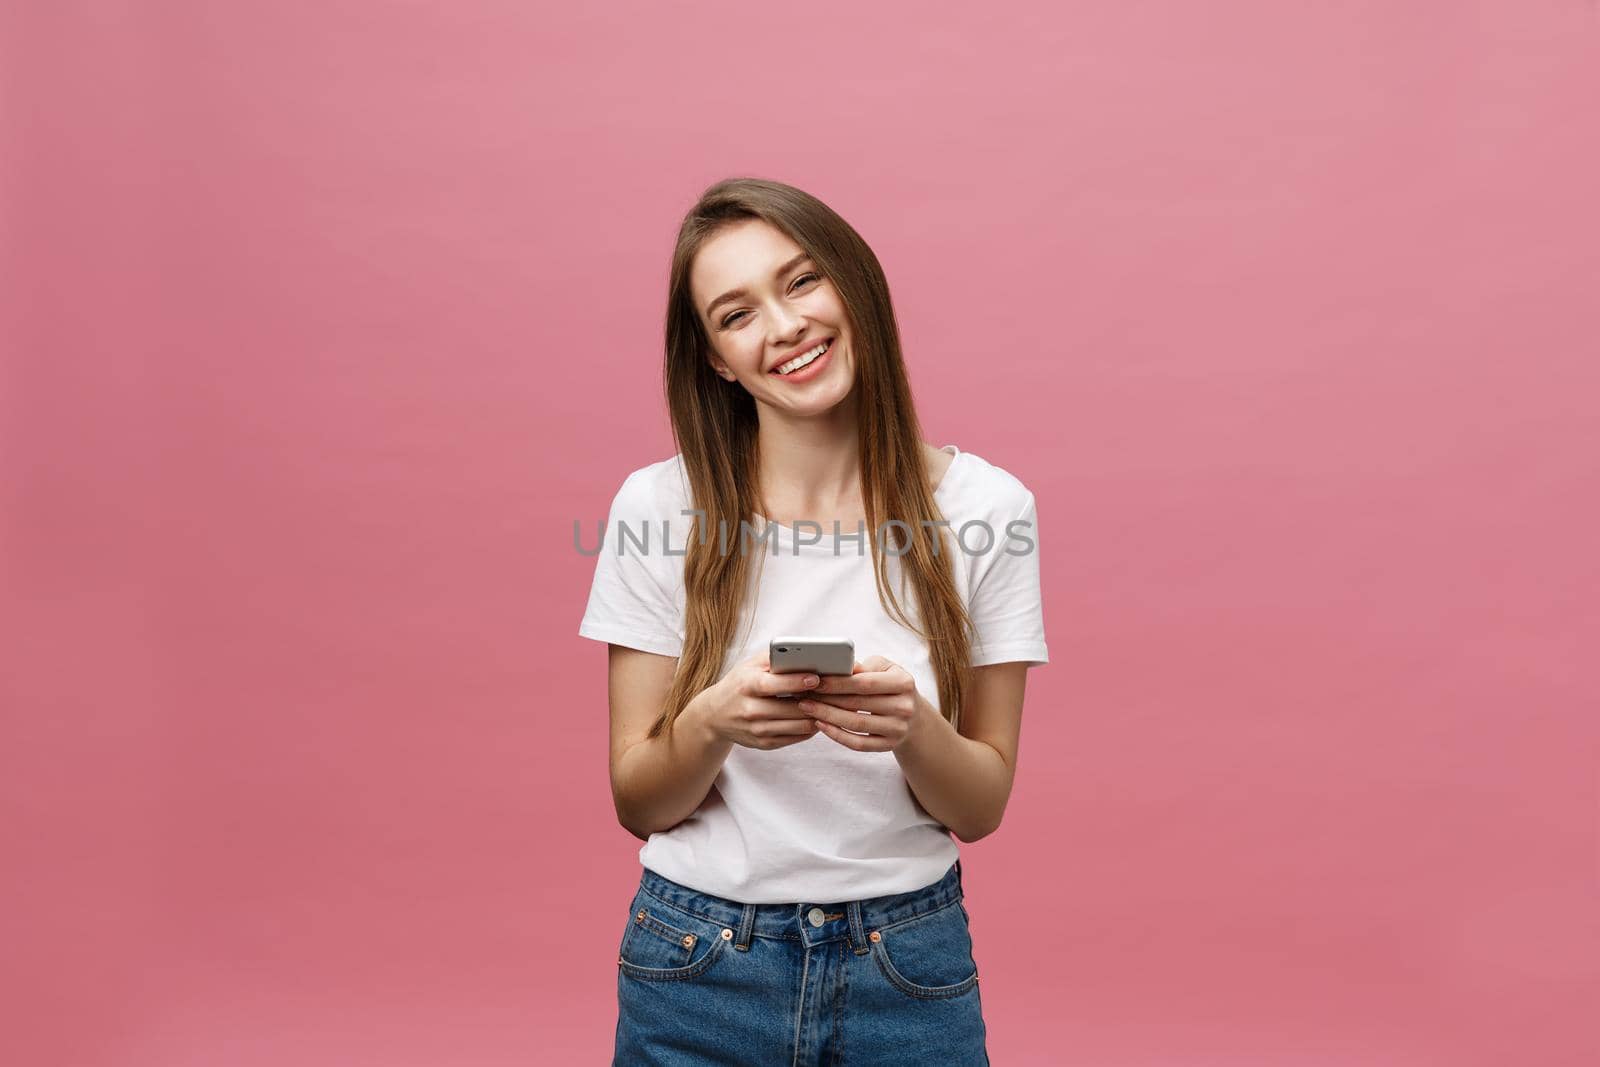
[
  {"x": 632, "y": 825},
  {"x": 638, "y": 822},
  {"x": 627, "y": 817},
  {"x": 967, "y": 837},
  {"x": 975, "y": 831},
  {"x": 631, "y": 821}
]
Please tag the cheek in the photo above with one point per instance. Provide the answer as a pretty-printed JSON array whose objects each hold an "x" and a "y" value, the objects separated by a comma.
[
  {"x": 748, "y": 359},
  {"x": 834, "y": 306},
  {"x": 742, "y": 358}
]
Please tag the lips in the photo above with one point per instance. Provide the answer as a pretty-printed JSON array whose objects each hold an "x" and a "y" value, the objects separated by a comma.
[{"x": 798, "y": 352}]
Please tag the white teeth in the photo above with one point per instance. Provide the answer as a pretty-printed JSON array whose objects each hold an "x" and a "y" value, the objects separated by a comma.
[{"x": 800, "y": 361}]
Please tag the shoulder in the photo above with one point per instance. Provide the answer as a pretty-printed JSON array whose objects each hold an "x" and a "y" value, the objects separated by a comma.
[
  {"x": 981, "y": 489},
  {"x": 937, "y": 461},
  {"x": 657, "y": 489}
]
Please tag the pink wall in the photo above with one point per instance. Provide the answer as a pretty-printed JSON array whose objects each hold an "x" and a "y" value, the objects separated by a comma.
[{"x": 323, "y": 321}]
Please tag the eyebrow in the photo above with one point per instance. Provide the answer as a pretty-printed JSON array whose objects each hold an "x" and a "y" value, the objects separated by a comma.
[{"x": 734, "y": 294}]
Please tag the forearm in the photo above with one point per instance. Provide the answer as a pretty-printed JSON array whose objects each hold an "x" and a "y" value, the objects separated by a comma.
[
  {"x": 961, "y": 782},
  {"x": 660, "y": 781}
]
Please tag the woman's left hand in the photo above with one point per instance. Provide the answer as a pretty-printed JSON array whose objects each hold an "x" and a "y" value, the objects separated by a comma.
[{"x": 886, "y": 690}]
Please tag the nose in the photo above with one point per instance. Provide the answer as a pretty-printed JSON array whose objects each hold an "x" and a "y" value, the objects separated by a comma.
[{"x": 788, "y": 326}]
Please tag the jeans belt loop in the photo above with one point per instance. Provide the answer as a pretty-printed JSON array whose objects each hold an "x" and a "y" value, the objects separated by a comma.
[
  {"x": 747, "y": 923},
  {"x": 858, "y": 936}
]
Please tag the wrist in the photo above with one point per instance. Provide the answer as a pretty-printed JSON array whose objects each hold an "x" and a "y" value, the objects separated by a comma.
[
  {"x": 925, "y": 723},
  {"x": 696, "y": 717}
]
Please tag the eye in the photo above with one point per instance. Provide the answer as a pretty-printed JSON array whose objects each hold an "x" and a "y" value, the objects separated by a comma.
[{"x": 731, "y": 319}]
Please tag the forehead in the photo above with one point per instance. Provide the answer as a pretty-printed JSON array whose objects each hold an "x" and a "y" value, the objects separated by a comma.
[{"x": 739, "y": 257}]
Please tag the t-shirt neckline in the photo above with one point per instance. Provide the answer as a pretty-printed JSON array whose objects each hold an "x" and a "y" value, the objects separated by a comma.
[{"x": 785, "y": 536}]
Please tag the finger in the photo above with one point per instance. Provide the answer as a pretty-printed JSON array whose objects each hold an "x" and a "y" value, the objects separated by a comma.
[
  {"x": 855, "y": 741},
  {"x": 874, "y": 705},
  {"x": 767, "y": 727},
  {"x": 767, "y": 708},
  {"x": 862, "y": 682},
  {"x": 876, "y": 663},
  {"x": 797, "y": 682},
  {"x": 846, "y": 719}
]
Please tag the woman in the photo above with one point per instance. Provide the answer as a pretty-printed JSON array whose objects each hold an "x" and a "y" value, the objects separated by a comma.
[{"x": 801, "y": 898}]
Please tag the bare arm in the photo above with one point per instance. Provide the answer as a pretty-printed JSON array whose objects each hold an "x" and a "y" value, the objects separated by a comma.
[
  {"x": 964, "y": 779},
  {"x": 657, "y": 782}
]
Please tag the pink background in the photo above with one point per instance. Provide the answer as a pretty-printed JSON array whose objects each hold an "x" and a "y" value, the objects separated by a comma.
[{"x": 324, "y": 321}]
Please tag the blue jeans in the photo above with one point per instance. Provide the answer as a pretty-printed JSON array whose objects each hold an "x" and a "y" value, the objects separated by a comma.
[{"x": 887, "y": 980}]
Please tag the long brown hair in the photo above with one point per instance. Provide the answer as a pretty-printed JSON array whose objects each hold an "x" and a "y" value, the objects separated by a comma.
[{"x": 714, "y": 425}]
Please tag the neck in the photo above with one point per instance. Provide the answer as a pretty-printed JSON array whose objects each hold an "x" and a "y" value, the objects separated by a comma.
[{"x": 810, "y": 464}]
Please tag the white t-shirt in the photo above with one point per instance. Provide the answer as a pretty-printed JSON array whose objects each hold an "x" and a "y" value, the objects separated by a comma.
[{"x": 815, "y": 821}]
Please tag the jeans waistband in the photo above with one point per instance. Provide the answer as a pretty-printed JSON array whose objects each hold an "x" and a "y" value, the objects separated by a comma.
[{"x": 780, "y": 920}]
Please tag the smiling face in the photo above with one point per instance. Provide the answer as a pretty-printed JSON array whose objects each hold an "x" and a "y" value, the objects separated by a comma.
[{"x": 765, "y": 305}]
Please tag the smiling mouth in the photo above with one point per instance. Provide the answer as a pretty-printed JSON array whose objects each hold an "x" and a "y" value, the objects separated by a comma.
[{"x": 800, "y": 362}]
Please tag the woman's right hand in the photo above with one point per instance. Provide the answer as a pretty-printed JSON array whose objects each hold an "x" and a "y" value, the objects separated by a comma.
[{"x": 744, "y": 707}]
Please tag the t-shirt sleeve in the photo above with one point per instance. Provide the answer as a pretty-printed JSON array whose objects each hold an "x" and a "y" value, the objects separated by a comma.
[
  {"x": 1006, "y": 604},
  {"x": 636, "y": 598}
]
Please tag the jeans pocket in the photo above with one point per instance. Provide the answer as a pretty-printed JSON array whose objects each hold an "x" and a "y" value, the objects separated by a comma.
[
  {"x": 663, "y": 943},
  {"x": 928, "y": 956}
]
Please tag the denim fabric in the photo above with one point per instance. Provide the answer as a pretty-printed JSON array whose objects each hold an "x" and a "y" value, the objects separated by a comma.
[{"x": 869, "y": 983}]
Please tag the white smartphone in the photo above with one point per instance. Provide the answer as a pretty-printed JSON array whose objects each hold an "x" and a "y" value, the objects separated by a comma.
[{"x": 818, "y": 655}]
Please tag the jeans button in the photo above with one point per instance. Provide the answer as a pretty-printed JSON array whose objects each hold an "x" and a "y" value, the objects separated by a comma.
[{"x": 815, "y": 916}]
